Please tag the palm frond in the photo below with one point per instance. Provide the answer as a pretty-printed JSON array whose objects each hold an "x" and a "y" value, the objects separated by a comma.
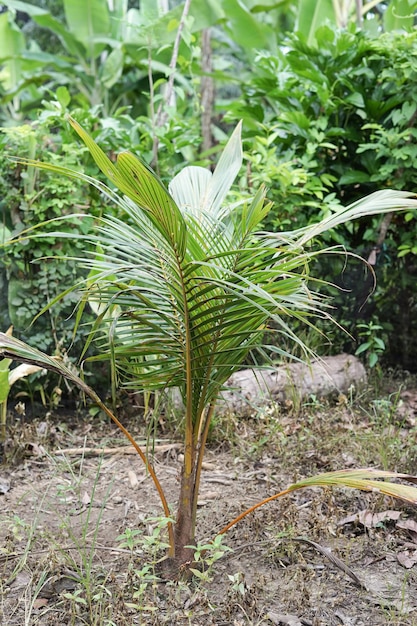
[
  {"x": 12, "y": 348},
  {"x": 376, "y": 203},
  {"x": 364, "y": 480},
  {"x": 197, "y": 191}
]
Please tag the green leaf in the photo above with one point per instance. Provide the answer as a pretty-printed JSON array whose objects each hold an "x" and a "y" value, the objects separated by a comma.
[
  {"x": 137, "y": 180},
  {"x": 374, "y": 204},
  {"x": 245, "y": 27},
  {"x": 63, "y": 96},
  {"x": 5, "y": 234},
  {"x": 88, "y": 20},
  {"x": 362, "y": 348},
  {"x": 399, "y": 15},
  {"x": 273, "y": 4},
  {"x": 12, "y": 348},
  {"x": 206, "y": 13},
  {"x": 12, "y": 44},
  {"x": 311, "y": 15},
  {"x": 196, "y": 189},
  {"x": 5, "y": 365},
  {"x": 112, "y": 68},
  {"x": 379, "y": 343},
  {"x": 356, "y": 99},
  {"x": 118, "y": 16},
  {"x": 403, "y": 252},
  {"x": 4, "y": 384},
  {"x": 45, "y": 19},
  {"x": 353, "y": 177}
]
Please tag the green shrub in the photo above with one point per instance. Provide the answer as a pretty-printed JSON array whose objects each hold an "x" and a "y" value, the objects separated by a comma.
[
  {"x": 335, "y": 121},
  {"x": 34, "y": 273}
]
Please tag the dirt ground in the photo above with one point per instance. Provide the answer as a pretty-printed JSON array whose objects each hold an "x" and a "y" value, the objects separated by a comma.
[{"x": 81, "y": 533}]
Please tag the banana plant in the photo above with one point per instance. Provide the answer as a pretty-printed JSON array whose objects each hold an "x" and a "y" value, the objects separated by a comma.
[
  {"x": 185, "y": 285},
  {"x": 100, "y": 41}
]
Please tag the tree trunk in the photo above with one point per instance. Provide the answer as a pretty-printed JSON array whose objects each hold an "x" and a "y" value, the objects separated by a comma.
[
  {"x": 184, "y": 525},
  {"x": 250, "y": 390}
]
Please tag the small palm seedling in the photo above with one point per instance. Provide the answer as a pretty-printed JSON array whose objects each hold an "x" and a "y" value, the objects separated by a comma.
[{"x": 184, "y": 286}]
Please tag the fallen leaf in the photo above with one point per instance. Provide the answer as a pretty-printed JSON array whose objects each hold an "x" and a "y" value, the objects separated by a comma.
[
  {"x": 407, "y": 524},
  {"x": 333, "y": 559},
  {"x": 412, "y": 534},
  {"x": 369, "y": 519},
  {"x": 39, "y": 603},
  {"x": 133, "y": 479},
  {"x": 4, "y": 485},
  {"x": 22, "y": 580},
  {"x": 281, "y": 619},
  {"x": 387, "y": 592},
  {"x": 408, "y": 558}
]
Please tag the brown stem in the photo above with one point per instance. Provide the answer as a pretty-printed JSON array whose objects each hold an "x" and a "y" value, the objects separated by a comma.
[
  {"x": 199, "y": 465},
  {"x": 253, "y": 508},
  {"x": 383, "y": 229},
  {"x": 184, "y": 527},
  {"x": 187, "y": 504},
  {"x": 145, "y": 460}
]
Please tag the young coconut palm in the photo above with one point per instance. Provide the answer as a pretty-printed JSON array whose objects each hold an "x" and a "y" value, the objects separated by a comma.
[{"x": 184, "y": 286}]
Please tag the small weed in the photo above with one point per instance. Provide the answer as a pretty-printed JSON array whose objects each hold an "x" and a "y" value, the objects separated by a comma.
[
  {"x": 313, "y": 402},
  {"x": 143, "y": 579},
  {"x": 130, "y": 539},
  {"x": 148, "y": 544},
  {"x": 205, "y": 555},
  {"x": 372, "y": 344},
  {"x": 237, "y": 587}
]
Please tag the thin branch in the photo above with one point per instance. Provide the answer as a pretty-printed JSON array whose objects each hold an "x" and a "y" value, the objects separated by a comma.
[
  {"x": 253, "y": 508},
  {"x": 359, "y": 15},
  {"x": 165, "y": 447},
  {"x": 162, "y": 115},
  {"x": 207, "y": 90}
]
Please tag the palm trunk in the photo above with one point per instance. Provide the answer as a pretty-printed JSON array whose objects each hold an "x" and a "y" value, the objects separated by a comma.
[
  {"x": 184, "y": 531},
  {"x": 185, "y": 524}
]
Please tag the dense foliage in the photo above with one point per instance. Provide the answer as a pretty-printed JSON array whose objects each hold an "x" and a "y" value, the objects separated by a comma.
[
  {"x": 328, "y": 116},
  {"x": 332, "y": 122}
]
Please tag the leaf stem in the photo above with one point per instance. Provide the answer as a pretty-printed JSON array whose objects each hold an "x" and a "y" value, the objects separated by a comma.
[
  {"x": 199, "y": 465},
  {"x": 148, "y": 466},
  {"x": 254, "y": 507}
]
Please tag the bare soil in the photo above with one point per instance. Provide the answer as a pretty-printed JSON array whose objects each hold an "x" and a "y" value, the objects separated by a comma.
[{"x": 62, "y": 561}]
